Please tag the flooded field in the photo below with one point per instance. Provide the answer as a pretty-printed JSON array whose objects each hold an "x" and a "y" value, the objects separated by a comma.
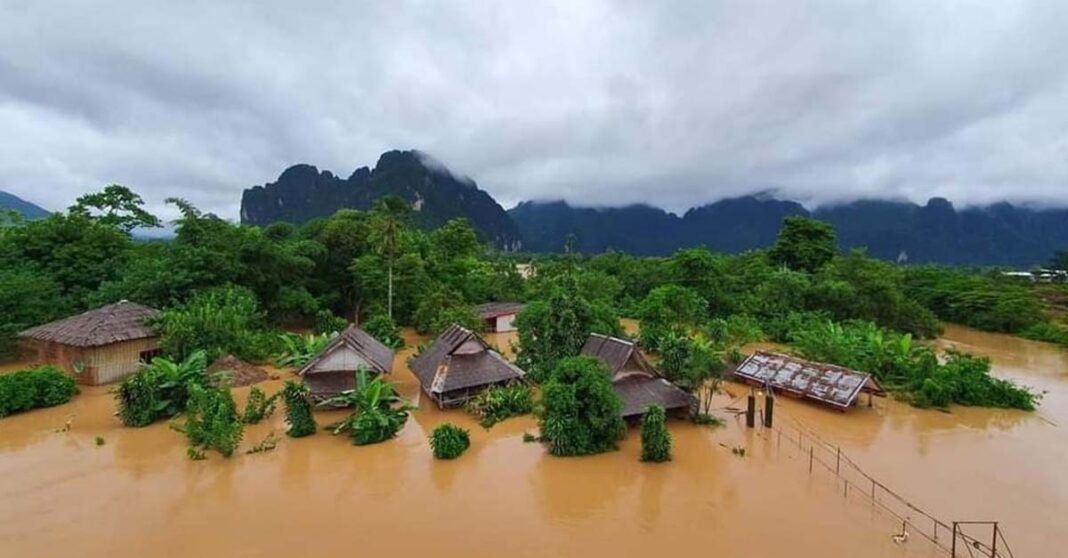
[{"x": 138, "y": 494}]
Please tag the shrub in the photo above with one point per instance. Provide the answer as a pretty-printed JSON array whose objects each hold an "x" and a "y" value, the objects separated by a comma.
[
  {"x": 297, "y": 398},
  {"x": 160, "y": 389},
  {"x": 383, "y": 328},
  {"x": 218, "y": 321},
  {"x": 299, "y": 349},
  {"x": 326, "y": 322},
  {"x": 212, "y": 421},
  {"x": 656, "y": 440},
  {"x": 498, "y": 403},
  {"x": 378, "y": 412},
  {"x": 580, "y": 410},
  {"x": 45, "y": 386},
  {"x": 449, "y": 441},
  {"x": 259, "y": 406}
]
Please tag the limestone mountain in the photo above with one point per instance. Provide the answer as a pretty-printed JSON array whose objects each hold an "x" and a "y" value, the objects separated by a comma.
[{"x": 303, "y": 192}]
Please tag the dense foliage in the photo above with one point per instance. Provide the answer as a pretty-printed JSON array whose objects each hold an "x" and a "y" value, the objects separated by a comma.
[
  {"x": 656, "y": 440},
  {"x": 218, "y": 322},
  {"x": 497, "y": 403},
  {"x": 384, "y": 329},
  {"x": 449, "y": 441},
  {"x": 32, "y": 389},
  {"x": 297, "y": 350},
  {"x": 580, "y": 412},
  {"x": 913, "y": 371},
  {"x": 297, "y": 398},
  {"x": 555, "y": 327},
  {"x": 211, "y": 421},
  {"x": 161, "y": 389}
]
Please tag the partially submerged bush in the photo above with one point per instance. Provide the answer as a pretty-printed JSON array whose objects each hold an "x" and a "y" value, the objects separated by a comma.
[
  {"x": 656, "y": 440},
  {"x": 580, "y": 410},
  {"x": 498, "y": 403},
  {"x": 297, "y": 398},
  {"x": 914, "y": 372},
  {"x": 212, "y": 421},
  {"x": 378, "y": 414},
  {"x": 326, "y": 322},
  {"x": 161, "y": 389},
  {"x": 45, "y": 386},
  {"x": 259, "y": 406},
  {"x": 449, "y": 441},
  {"x": 384, "y": 329}
]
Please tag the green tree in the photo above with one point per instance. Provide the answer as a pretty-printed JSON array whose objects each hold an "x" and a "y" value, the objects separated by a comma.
[
  {"x": 555, "y": 328},
  {"x": 390, "y": 213},
  {"x": 449, "y": 441},
  {"x": 670, "y": 309},
  {"x": 656, "y": 439},
  {"x": 116, "y": 206},
  {"x": 804, "y": 244},
  {"x": 219, "y": 322},
  {"x": 27, "y": 298},
  {"x": 580, "y": 412}
]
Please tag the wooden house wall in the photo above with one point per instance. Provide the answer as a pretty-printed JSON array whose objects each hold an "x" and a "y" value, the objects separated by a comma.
[{"x": 99, "y": 365}]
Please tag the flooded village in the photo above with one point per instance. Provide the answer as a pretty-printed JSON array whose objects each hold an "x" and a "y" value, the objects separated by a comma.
[{"x": 321, "y": 495}]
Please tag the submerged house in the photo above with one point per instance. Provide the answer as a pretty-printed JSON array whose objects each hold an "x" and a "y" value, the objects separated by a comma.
[
  {"x": 636, "y": 382},
  {"x": 499, "y": 316},
  {"x": 333, "y": 370},
  {"x": 99, "y": 346},
  {"x": 459, "y": 365},
  {"x": 828, "y": 384}
]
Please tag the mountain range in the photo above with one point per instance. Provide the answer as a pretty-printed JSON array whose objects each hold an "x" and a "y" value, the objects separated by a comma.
[
  {"x": 999, "y": 234},
  {"x": 303, "y": 192},
  {"x": 27, "y": 209}
]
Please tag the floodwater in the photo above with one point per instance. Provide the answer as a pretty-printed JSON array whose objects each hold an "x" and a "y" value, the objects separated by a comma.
[{"x": 138, "y": 494}]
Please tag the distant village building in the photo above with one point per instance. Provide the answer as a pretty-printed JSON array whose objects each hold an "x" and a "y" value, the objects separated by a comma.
[
  {"x": 525, "y": 270},
  {"x": 1039, "y": 275},
  {"x": 635, "y": 381},
  {"x": 460, "y": 364},
  {"x": 499, "y": 316},
  {"x": 333, "y": 370},
  {"x": 99, "y": 346},
  {"x": 831, "y": 385}
]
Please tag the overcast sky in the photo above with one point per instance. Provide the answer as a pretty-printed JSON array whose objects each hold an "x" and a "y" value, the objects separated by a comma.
[{"x": 600, "y": 103}]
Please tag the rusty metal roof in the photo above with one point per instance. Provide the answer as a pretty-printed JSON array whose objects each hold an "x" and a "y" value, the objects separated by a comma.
[{"x": 834, "y": 385}]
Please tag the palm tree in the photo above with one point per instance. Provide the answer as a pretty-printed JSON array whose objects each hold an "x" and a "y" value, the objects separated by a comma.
[{"x": 392, "y": 212}]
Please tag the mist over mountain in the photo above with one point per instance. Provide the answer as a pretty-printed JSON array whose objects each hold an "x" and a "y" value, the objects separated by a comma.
[
  {"x": 303, "y": 192},
  {"x": 999, "y": 234},
  {"x": 27, "y": 209}
]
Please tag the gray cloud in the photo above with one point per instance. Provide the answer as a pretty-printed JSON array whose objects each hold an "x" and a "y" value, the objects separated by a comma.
[{"x": 605, "y": 103}]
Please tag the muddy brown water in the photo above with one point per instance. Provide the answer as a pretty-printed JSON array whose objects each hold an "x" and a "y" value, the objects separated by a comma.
[{"x": 138, "y": 494}]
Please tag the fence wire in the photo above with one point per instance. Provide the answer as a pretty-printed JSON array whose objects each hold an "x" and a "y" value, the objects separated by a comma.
[{"x": 822, "y": 457}]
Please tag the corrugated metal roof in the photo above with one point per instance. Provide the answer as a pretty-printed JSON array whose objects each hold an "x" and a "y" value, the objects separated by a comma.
[{"x": 826, "y": 383}]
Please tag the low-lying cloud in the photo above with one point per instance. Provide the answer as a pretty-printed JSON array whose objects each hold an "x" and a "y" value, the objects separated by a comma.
[{"x": 601, "y": 103}]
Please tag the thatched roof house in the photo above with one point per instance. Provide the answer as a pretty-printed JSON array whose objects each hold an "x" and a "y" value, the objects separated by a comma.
[
  {"x": 458, "y": 365},
  {"x": 333, "y": 370},
  {"x": 831, "y": 385},
  {"x": 99, "y": 346},
  {"x": 499, "y": 316},
  {"x": 635, "y": 381}
]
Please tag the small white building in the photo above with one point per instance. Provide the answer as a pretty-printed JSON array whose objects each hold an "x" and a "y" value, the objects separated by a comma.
[{"x": 499, "y": 316}]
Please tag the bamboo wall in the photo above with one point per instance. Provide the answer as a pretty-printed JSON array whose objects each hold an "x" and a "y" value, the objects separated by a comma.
[{"x": 99, "y": 365}]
